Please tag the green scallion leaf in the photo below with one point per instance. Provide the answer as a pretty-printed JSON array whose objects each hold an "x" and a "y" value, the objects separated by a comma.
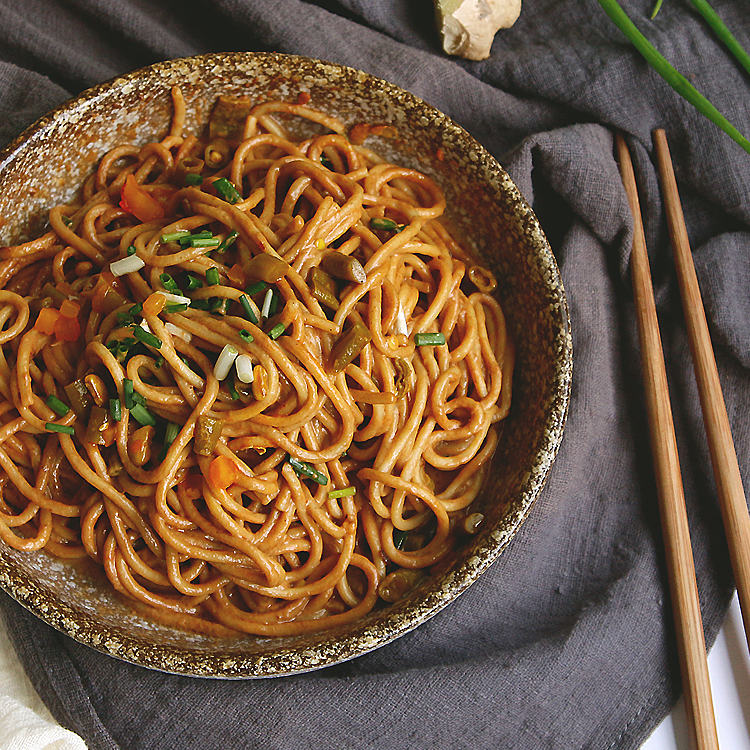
[
  {"x": 675, "y": 79},
  {"x": 127, "y": 393},
  {"x": 276, "y": 331},
  {"x": 193, "y": 178},
  {"x": 142, "y": 415},
  {"x": 385, "y": 225},
  {"x": 136, "y": 309},
  {"x": 232, "y": 389},
  {"x": 228, "y": 242},
  {"x": 258, "y": 286},
  {"x": 158, "y": 362},
  {"x": 171, "y": 432},
  {"x": 130, "y": 251},
  {"x": 212, "y": 276},
  {"x": 201, "y": 304},
  {"x": 175, "y": 236},
  {"x": 146, "y": 337},
  {"x": 115, "y": 409},
  {"x": 193, "y": 282},
  {"x": 169, "y": 284},
  {"x": 429, "y": 339},
  {"x": 57, "y": 406},
  {"x": 305, "y": 470},
  {"x": 246, "y": 336},
  {"x": 203, "y": 242},
  {"x": 399, "y": 538},
  {"x": 247, "y": 308},
  {"x": 175, "y": 307},
  {"x": 345, "y": 492},
  {"x": 124, "y": 319},
  {"x": 65, "y": 428},
  {"x": 722, "y": 32},
  {"x": 226, "y": 190}
]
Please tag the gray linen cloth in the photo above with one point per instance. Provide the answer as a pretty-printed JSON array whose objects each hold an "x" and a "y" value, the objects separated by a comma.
[{"x": 567, "y": 641}]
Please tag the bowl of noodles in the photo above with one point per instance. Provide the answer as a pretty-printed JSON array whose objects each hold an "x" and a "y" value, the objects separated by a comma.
[{"x": 286, "y": 361}]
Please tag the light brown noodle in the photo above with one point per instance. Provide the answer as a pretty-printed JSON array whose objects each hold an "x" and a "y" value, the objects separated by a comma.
[{"x": 411, "y": 428}]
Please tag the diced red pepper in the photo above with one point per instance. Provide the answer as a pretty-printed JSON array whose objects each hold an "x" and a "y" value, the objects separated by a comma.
[
  {"x": 67, "y": 329},
  {"x": 46, "y": 320},
  {"x": 137, "y": 201}
]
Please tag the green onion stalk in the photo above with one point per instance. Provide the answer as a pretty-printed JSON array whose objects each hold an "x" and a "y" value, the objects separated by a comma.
[{"x": 675, "y": 79}]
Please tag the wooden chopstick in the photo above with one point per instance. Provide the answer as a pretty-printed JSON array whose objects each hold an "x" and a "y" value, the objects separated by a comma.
[
  {"x": 691, "y": 644},
  {"x": 721, "y": 446}
]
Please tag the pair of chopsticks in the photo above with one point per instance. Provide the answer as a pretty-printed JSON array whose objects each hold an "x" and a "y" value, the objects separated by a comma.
[{"x": 680, "y": 567}]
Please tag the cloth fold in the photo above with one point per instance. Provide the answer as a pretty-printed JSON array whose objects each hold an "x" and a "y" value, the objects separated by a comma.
[{"x": 567, "y": 641}]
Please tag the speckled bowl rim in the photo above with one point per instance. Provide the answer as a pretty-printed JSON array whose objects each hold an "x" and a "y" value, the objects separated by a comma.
[{"x": 331, "y": 649}]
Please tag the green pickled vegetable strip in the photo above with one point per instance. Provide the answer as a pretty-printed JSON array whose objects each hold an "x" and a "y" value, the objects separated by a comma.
[
  {"x": 675, "y": 79},
  {"x": 57, "y": 406},
  {"x": 52, "y": 427},
  {"x": 146, "y": 337},
  {"x": 207, "y": 433},
  {"x": 142, "y": 415},
  {"x": 429, "y": 339},
  {"x": 345, "y": 492},
  {"x": 115, "y": 409},
  {"x": 725, "y": 35},
  {"x": 226, "y": 190},
  {"x": 348, "y": 346},
  {"x": 79, "y": 397},
  {"x": 305, "y": 470}
]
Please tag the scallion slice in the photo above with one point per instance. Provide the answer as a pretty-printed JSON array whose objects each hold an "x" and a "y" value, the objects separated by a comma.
[
  {"x": 127, "y": 393},
  {"x": 226, "y": 190},
  {"x": 142, "y": 415},
  {"x": 225, "y": 361},
  {"x": 429, "y": 339},
  {"x": 131, "y": 250},
  {"x": 247, "y": 308},
  {"x": 115, "y": 409},
  {"x": 258, "y": 286},
  {"x": 192, "y": 283},
  {"x": 212, "y": 276},
  {"x": 65, "y": 428},
  {"x": 265, "y": 311},
  {"x": 244, "y": 367},
  {"x": 345, "y": 492},
  {"x": 246, "y": 336},
  {"x": 175, "y": 307},
  {"x": 57, "y": 406},
  {"x": 228, "y": 241},
  {"x": 175, "y": 236},
  {"x": 276, "y": 331},
  {"x": 169, "y": 283},
  {"x": 193, "y": 178},
  {"x": 385, "y": 225},
  {"x": 124, "y": 266},
  {"x": 146, "y": 337},
  {"x": 305, "y": 470}
]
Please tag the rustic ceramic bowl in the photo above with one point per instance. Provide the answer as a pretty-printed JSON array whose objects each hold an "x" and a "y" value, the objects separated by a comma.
[{"x": 45, "y": 164}]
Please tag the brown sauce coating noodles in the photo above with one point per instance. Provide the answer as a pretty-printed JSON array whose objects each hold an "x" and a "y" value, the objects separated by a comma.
[{"x": 260, "y": 393}]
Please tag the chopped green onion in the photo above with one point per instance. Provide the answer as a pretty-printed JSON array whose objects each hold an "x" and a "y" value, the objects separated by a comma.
[
  {"x": 385, "y": 225},
  {"x": 326, "y": 162},
  {"x": 232, "y": 390},
  {"x": 304, "y": 469},
  {"x": 169, "y": 283},
  {"x": 244, "y": 366},
  {"x": 139, "y": 398},
  {"x": 175, "y": 307},
  {"x": 429, "y": 339},
  {"x": 193, "y": 178},
  {"x": 345, "y": 492},
  {"x": 247, "y": 308},
  {"x": 200, "y": 304},
  {"x": 201, "y": 242},
  {"x": 217, "y": 305},
  {"x": 226, "y": 190},
  {"x": 57, "y": 406},
  {"x": 212, "y": 276},
  {"x": 399, "y": 538},
  {"x": 158, "y": 362},
  {"x": 146, "y": 337},
  {"x": 193, "y": 282},
  {"x": 67, "y": 220},
  {"x": 258, "y": 286},
  {"x": 52, "y": 427},
  {"x": 127, "y": 393},
  {"x": 136, "y": 309},
  {"x": 171, "y": 433},
  {"x": 225, "y": 361},
  {"x": 246, "y": 336},
  {"x": 675, "y": 79},
  {"x": 265, "y": 311},
  {"x": 131, "y": 250},
  {"x": 228, "y": 242},
  {"x": 175, "y": 236},
  {"x": 115, "y": 409},
  {"x": 142, "y": 415},
  {"x": 124, "y": 319},
  {"x": 202, "y": 235},
  {"x": 725, "y": 35},
  {"x": 276, "y": 331}
]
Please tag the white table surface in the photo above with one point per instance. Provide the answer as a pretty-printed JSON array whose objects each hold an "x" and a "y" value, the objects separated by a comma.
[{"x": 729, "y": 668}]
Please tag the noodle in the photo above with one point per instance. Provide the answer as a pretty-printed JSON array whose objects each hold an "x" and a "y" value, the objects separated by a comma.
[{"x": 250, "y": 376}]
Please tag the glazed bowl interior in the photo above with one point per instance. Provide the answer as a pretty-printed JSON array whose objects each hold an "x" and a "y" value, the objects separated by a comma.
[{"x": 43, "y": 168}]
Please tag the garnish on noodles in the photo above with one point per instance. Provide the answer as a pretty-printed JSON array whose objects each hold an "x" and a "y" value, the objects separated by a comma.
[{"x": 251, "y": 376}]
